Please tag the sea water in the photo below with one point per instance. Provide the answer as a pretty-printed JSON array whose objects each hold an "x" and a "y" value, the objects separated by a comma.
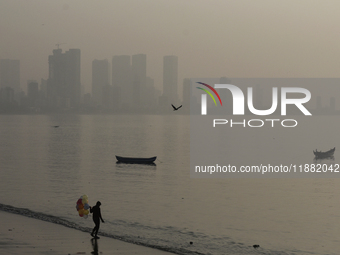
[{"x": 45, "y": 169}]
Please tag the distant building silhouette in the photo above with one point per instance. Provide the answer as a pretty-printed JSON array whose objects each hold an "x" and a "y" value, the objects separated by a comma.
[
  {"x": 43, "y": 93},
  {"x": 63, "y": 84},
  {"x": 122, "y": 81},
  {"x": 7, "y": 96},
  {"x": 138, "y": 68},
  {"x": 7, "y": 100},
  {"x": 186, "y": 95},
  {"x": 10, "y": 74},
  {"x": 107, "y": 97},
  {"x": 43, "y": 86},
  {"x": 33, "y": 93},
  {"x": 170, "y": 79},
  {"x": 100, "y": 79}
]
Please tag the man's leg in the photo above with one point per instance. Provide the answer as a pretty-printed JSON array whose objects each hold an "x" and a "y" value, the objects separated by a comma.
[
  {"x": 97, "y": 228},
  {"x": 94, "y": 229}
]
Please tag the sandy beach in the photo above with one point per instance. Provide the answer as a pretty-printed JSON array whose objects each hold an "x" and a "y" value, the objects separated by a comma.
[{"x": 24, "y": 235}]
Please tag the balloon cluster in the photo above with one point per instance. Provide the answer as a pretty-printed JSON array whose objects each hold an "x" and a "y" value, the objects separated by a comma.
[{"x": 83, "y": 206}]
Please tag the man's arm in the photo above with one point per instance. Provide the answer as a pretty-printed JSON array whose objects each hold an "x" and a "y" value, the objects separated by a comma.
[{"x": 100, "y": 215}]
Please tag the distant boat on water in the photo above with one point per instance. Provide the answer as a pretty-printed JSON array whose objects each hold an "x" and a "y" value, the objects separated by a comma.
[
  {"x": 326, "y": 154},
  {"x": 135, "y": 160}
]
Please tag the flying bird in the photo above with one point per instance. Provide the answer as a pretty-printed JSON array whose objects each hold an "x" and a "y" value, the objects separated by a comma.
[{"x": 175, "y": 109}]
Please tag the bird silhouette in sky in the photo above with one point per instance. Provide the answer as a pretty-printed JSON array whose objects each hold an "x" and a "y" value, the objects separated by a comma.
[{"x": 175, "y": 109}]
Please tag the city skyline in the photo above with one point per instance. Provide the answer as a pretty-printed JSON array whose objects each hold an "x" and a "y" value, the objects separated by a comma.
[
  {"x": 62, "y": 90},
  {"x": 131, "y": 88},
  {"x": 136, "y": 69},
  {"x": 230, "y": 38}
]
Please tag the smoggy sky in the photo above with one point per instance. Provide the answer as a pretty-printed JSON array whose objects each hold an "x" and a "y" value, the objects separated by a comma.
[{"x": 212, "y": 38}]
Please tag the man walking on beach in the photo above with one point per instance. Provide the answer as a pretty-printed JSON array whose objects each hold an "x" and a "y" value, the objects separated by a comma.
[{"x": 96, "y": 216}]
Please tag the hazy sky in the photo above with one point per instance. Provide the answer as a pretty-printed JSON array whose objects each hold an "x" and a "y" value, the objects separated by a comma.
[{"x": 212, "y": 38}]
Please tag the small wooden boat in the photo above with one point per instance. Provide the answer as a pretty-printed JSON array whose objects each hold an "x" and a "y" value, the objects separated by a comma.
[
  {"x": 326, "y": 154},
  {"x": 135, "y": 160}
]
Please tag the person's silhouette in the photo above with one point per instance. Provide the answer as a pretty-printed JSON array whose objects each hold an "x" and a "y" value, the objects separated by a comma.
[{"x": 96, "y": 216}]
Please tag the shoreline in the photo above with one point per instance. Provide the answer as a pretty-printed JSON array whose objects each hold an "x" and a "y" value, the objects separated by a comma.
[{"x": 24, "y": 235}]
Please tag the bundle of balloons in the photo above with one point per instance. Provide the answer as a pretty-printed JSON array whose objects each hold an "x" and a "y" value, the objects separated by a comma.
[{"x": 83, "y": 206}]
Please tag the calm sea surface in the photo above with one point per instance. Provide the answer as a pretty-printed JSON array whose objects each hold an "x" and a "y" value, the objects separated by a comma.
[{"x": 46, "y": 169}]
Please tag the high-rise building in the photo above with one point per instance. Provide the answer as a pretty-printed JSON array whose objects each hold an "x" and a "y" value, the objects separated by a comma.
[
  {"x": 138, "y": 69},
  {"x": 10, "y": 74},
  {"x": 63, "y": 84},
  {"x": 43, "y": 87},
  {"x": 32, "y": 93},
  {"x": 43, "y": 93},
  {"x": 186, "y": 92},
  {"x": 170, "y": 79},
  {"x": 6, "y": 96},
  {"x": 100, "y": 79},
  {"x": 121, "y": 81}
]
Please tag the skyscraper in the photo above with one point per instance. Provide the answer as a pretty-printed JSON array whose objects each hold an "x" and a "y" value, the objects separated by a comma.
[
  {"x": 170, "y": 77},
  {"x": 186, "y": 91},
  {"x": 32, "y": 93},
  {"x": 10, "y": 74},
  {"x": 139, "y": 80},
  {"x": 63, "y": 82},
  {"x": 121, "y": 80},
  {"x": 100, "y": 79}
]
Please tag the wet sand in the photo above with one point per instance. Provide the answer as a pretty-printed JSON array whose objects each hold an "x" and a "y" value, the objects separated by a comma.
[{"x": 24, "y": 235}]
